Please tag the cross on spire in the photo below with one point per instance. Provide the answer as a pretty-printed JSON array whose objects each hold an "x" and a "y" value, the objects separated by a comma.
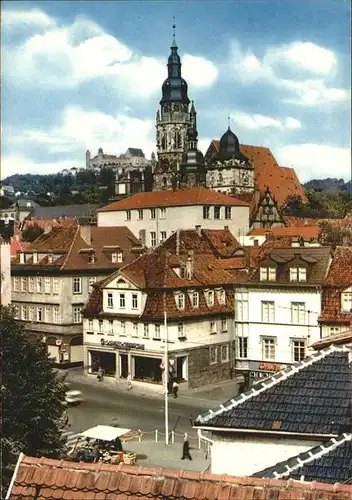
[{"x": 228, "y": 121}]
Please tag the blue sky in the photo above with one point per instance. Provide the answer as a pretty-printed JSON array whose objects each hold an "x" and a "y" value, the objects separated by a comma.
[{"x": 88, "y": 74}]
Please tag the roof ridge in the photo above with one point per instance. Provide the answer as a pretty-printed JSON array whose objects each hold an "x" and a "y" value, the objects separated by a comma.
[
  {"x": 70, "y": 249},
  {"x": 270, "y": 382}
]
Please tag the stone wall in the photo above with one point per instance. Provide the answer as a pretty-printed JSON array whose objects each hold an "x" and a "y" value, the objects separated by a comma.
[{"x": 201, "y": 372}]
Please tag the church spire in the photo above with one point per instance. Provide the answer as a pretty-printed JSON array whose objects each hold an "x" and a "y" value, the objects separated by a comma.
[{"x": 174, "y": 44}]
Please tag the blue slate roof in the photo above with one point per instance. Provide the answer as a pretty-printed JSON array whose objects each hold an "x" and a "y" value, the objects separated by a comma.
[
  {"x": 311, "y": 397},
  {"x": 330, "y": 462}
]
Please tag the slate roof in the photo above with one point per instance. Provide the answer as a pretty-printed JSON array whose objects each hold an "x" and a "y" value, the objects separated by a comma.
[
  {"x": 310, "y": 398},
  {"x": 70, "y": 211},
  {"x": 49, "y": 479},
  {"x": 330, "y": 462},
  {"x": 135, "y": 152},
  {"x": 177, "y": 198}
]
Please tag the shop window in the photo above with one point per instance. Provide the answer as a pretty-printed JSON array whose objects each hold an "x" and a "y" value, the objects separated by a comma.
[
  {"x": 269, "y": 349},
  {"x": 77, "y": 315},
  {"x": 180, "y": 301},
  {"x": 212, "y": 327},
  {"x": 224, "y": 325},
  {"x": 23, "y": 284},
  {"x": 134, "y": 301},
  {"x": 206, "y": 212},
  {"x": 31, "y": 285},
  {"x": 228, "y": 214},
  {"x": 140, "y": 214},
  {"x": 39, "y": 285},
  {"x": 298, "y": 313},
  {"x": 213, "y": 355},
  {"x": 146, "y": 331},
  {"x": 91, "y": 282},
  {"x": 267, "y": 274},
  {"x": 157, "y": 331},
  {"x": 56, "y": 286},
  {"x": 110, "y": 301},
  {"x": 224, "y": 350},
  {"x": 298, "y": 350},
  {"x": 152, "y": 213},
  {"x": 195, "y": 299},
  {"x": 56, "y": 317},
  {"x": 162, "y": 213},
  {"x": 346, "y": 300},
  {"x": 122, "y": 301},
  {"x": 101, "y": 326},
  {"x": 16, "y": 284},
  {"x": 268, "y": 312},
  {"x": 110, "y": 327},
  {"x": 128, "y": 214},
  {"x": 47, "y": 285},
  {"x": 181, "y": 331},
  {"x": 243, "y": 347},
  {"x": 76, "y": 285},
  {"x": 217, "y": 212}
]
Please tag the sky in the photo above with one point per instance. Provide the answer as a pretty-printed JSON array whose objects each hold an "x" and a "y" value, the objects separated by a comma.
[{"x": 80, "y": 75}]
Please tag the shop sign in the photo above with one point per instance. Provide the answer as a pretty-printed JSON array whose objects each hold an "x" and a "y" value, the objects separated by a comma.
[
  {"x": 264, "y": 366},
  {"x": 121, "y": 345}
]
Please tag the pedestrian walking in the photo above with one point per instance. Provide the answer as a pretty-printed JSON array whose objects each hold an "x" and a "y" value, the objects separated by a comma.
[
  {"x": 129, "y": 382},
  {"x": 185, "y": 451},
  {"x": 100, "y": 376},
  {"x": 175, "y": 389}
]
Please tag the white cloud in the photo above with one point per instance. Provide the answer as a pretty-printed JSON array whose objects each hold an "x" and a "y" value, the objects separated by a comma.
[
  {"x": 198, "y": 71},
  {"x": 312, "y": 65},
  {"x": 15, "y": 19},
  {"x": 315, "y": 161},
  {"x": 257, "y": 121}
]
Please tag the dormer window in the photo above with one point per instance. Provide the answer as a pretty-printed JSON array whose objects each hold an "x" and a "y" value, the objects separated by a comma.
[
  {"x": 116, "y": 257},
  {"x": 180, "y": 300},
  {"x": 298, "y": 274},
  {"x": 91, "y": 258},
  {"x": 183, "y": 272},
  {"x": 50, "y": 258},
  {"x": 267, "y": 274},
  {"x": 346, "y": 300},
  {"x": 195, "y": 299},
  {"x": 210, "y": 297},
  {"x": 222, "y": 297}
]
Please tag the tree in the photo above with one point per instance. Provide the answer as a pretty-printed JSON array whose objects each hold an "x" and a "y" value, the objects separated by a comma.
[
  {"x": 32, "y": 396},
  {"x": 32, "y": 233}
]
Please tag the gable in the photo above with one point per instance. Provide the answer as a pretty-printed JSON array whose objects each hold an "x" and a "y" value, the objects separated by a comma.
[{"x": 120, "y": 282}]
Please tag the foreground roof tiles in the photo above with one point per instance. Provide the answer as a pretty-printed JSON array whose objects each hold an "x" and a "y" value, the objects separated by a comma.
[
  {"x": 42, "y": 478},
  {"x": 179, "y": 197},
  {"x": 309, "y": 398}
]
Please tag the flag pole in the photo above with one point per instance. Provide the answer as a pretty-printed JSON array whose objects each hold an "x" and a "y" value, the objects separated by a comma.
[{"x": 166, "y": 381}]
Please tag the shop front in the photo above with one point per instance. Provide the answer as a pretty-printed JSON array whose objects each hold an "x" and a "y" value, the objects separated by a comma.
[{"x": 254, "y": 371}]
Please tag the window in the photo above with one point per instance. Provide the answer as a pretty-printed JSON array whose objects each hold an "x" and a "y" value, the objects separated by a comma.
[
  {"x": 243, "y": 347},
  {"x": 16, "y": 284},
  {"x": 31, "y": 313},
  {"x": 123, "y": 327},
  {"x": 77, "y": 316},
  {"x": 162, "y": 236},
  {"x": 40, "y": 314},
  {"x": 50, "y": 258},
  {"x": 206, "y": 212},
  {"x": 157, "y": 331},
  {"x": 56, "y": 286},
  {"x": 31, "y": 285},
  {"x": 224, "y": 353},
  {"x": 135, "y": 330},
  {"x": 146, "y": 331},
  {"x": 224, "y": 325},
  {"x": 268, "y": 312},
  {"x": 152, "y": 238},
  {"x": 47, "y": 285},
  {"x": 181, "y": 330},
  {"x": 162, "y": 213},
  {"x": 134, "y": 301},
  {"x": 91, "y": 281},
  {"x": 267, "y": 274},
  {"x": 101, "y": 326},
  {"x": 48, "y": 315},
  {"x": 140, "y": 214},
  {"x": 298, "y": 350},
  {"x": 333, "y": 330},
  {"x": 16, "y": 311},
  {"x": 122, "y": 301},
  {"x": 91, "y": 258},
  {"x": 302, "y": 274},
  {"x": 212, "y": 327},
  {"x": 110, "y": 326},
  {"x": 152, "y": 213},
  {"x": 128, "y": 214},
  {"x": 90, "y": 326},
  {"x": 269, "y": 349},
  {"x": 228, "y": 214},
  {"x": 298, "y": 313},
  {"x": 210, "y": 298},
  {"x": 195, "y": 299},
  {"x": 23, "y": 284},
  {"x": 110, "y": 301},
  {"x": 222, "y": 297},
  {"x": 24, "y": 312},
  {"x": 293, "y": 273},
  {"x": 217, "y": 211},
  {"x": 119, "y": 257},
  {"x": 242, "y": 310},
  {"x": 213, "y": 355},
  {"x": 39, "y": 285},
  {"x": 56, "y": 314},
  {"x": 116, "y": 257},
  {"x": 346, "y": 300},
  {"x": 76, "y": 285},
  {"x": 180, "y": 301}
]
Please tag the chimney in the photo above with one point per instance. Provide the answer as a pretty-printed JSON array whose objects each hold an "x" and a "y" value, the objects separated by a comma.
[
  {"x": 190, "y": 264},
  {"x": 177, "y": 242},
  {"x": 199, "y": 229},
  {"x": 21, "y": 258},
  {"x": 35, "y": 257},
  {"x": 85, "y": 232}
]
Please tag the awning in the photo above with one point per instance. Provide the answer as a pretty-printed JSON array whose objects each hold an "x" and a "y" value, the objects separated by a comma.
[{"x": 105, "y": 432}]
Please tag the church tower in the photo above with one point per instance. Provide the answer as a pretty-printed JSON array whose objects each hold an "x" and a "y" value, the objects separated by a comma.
[{"x": 173, "y": 119}]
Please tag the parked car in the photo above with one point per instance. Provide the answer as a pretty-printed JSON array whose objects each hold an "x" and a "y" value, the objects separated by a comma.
[{"x": 73, "y": 397}]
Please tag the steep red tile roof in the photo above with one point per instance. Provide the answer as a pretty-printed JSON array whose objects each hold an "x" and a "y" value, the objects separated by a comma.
[
  {"x": 179, "y": 197},
  {"x": 342, "y": 338},
  {"x": 17, "y": 246},
  {"x": 223, "y": 241},
  {"x": 306, "y": 232},
  {"x": 44, "y": 478},
  {"x": 340, "y": 272}
]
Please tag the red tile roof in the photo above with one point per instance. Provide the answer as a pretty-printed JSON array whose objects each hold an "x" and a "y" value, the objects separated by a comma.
[
  {"x": 17, "y": 246},
  {"x": 44, "y": 478},
  {"x": 346, "y": 222},
  {"x": 340, "y": 272},
  {"x": 179, "y": 197},
  {"x": 306, "y": 232},
  {"x": 49, "y": 223}
]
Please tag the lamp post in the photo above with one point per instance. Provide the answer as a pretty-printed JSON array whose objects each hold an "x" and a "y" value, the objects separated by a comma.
[{"x": 166, "y": 380}]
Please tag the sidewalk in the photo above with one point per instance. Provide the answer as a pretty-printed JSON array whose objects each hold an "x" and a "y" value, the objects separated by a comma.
[{"x": 213, "y": 394}]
